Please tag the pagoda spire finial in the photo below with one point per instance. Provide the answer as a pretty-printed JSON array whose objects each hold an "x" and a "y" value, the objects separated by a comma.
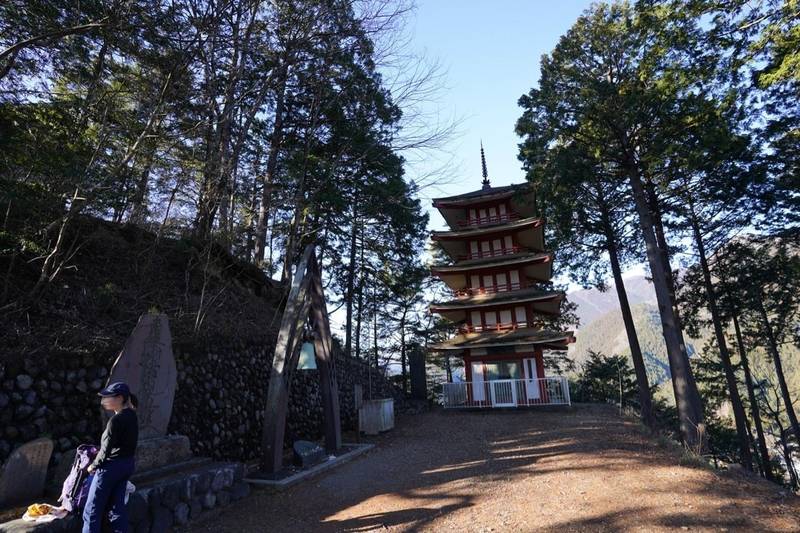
[{"x": 486, "y": 184}]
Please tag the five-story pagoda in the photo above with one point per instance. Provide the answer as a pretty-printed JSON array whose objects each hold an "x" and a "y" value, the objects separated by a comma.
[{"x": 496, "y": 243}]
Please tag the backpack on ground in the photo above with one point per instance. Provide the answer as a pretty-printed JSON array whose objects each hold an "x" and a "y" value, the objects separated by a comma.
[{"x": 75, "y": 489}]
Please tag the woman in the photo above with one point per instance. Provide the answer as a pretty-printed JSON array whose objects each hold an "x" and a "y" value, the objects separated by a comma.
[{"x": 114, "y": 463}]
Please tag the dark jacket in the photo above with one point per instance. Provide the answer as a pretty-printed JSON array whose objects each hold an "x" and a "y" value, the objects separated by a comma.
[{"x": 119, "y": 438}]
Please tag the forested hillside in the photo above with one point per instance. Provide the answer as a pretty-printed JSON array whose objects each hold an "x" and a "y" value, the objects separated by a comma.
[
  {"x": 252, "y": 128},
  {"x": 606, "y": 334}
]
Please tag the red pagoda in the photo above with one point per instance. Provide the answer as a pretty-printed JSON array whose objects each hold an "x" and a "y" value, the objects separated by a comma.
[{"x": 496, "y": 242}]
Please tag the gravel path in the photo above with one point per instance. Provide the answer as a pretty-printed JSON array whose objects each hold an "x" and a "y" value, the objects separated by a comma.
[{"x": 584, "y": 469}]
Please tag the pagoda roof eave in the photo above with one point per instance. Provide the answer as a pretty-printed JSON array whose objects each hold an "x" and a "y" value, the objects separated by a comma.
[
  {"x": 530, "y": 294},
  {"x": 517, "y": 337},
  {"x": 491, "y": 262},
  {"x": 524, "y": 223},
  {"x": 481, "y": 195}
]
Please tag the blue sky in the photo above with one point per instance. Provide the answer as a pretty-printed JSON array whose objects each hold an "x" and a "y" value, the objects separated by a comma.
[{"x": 491, "y": 53}]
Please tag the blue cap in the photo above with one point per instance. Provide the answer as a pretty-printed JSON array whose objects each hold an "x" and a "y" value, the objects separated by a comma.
[{"x": 117, "y": 388}]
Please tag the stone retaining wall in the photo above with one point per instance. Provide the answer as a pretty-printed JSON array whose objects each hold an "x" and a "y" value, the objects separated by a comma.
[
  {"x": 177, "y": 500},
  {"x": 218, "y": 404},
  {"x": 161, "y": 503}
]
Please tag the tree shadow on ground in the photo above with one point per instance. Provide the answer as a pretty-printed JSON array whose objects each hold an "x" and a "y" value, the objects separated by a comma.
[{"x": 438, "y": 464}]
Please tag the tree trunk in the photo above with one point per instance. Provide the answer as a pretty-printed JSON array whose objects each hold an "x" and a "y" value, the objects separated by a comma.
[
  {"x": 251, "y": 220},
  {"x": 787, "y": 453},
  {"x": 730, "y": 377},
  {"x": 298, "y": 220},
  {"x": 221, "y": 153},
  {"x": 351, "y": 278},
  {"x": 7, "y": 281},
  {"x": 360, "y": 313},
  {"x": 206, "y": 204},
  {"x": 375, "y": 327},
  {"x": 766, "y": 466},
  {"x": 661, "y": 238},
  {"x": 403, "y": 365},
  {"x": 139, "y": 211},
  {"x": 272, "y": 166},
  {"x": 687, "y": 397},
  {"x": 645, "y": 399},
  {"x": 776, "y": 359}
]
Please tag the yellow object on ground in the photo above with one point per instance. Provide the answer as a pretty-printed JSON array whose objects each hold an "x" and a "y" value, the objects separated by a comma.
[{"x": 39, "y": 509}]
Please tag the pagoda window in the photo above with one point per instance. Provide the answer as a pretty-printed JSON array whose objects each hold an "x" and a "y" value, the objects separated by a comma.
[
  {"x": 521, "y": 315},
  {"x": 488, "y": 281},
  {"x": 482, "y": 213},
  {"x": 491, "y": 318},
  {"x": 493, "y": 213},
  {"x": 472, "y": 215},
  {"x": 502, "y": 209},
  {"x": 514, "y": 278},
  {"x": 473, "y": 248},
  {"x": 474, "y": 281},
  {"x": 502, "y": 284},
  {"x": 476, "y": 318},
  {"x": 485, "y": 249},
  {"x": 509, "y": 243},
  {"x": 497, "y": 246},
  {"x": 505, "y": 317}
]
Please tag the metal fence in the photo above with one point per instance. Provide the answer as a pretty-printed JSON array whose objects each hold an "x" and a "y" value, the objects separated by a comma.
[{"x": 506, "y": 393}]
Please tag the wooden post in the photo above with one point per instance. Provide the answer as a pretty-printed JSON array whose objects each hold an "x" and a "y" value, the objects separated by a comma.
[
  {"x": 419, "y": 382},
  {"x": 306, "y": 300},
  {"x": 326, "y": 364},
  {"x": 288, "y": 342}
]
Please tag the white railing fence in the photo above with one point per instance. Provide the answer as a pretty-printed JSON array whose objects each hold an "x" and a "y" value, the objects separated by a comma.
[{"x": 506, "y": 393}]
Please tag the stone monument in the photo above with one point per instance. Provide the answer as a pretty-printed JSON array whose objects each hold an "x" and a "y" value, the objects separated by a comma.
[
  {"x": 23, "y": 475},
  {"x": 147, "y": 365},
  {"x": 419, "y": 381},
  {"x": 306, "y": 454}
]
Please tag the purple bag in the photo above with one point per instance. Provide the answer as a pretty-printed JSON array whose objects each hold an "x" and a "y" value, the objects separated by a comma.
[{"x": 75, "y": 489}]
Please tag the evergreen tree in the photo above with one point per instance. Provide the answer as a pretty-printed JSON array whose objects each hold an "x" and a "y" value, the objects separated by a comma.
[{"x": 610, "y": 89}]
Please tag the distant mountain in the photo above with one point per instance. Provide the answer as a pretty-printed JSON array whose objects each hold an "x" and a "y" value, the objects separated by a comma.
[
  {"x": 592, "y": 304},
  {"x": 607, "y": 335},
  {"x": 602, "y": 330}
]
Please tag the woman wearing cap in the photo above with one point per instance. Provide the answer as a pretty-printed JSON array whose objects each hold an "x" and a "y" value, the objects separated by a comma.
[{"x": 114, "y": 463}]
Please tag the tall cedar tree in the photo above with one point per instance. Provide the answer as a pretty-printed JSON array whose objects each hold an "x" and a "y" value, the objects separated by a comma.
[{"x": 615, "y": 87}]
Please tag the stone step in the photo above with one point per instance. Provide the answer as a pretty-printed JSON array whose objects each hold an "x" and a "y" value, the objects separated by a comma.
[
  {"x": 164, "y": 497},
  {"x": 151, "y": 454},
  {"x": 153, "y": 474}
]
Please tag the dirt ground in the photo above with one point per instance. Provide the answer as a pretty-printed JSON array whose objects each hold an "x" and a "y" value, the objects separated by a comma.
[{"x": 583, "y": 469}]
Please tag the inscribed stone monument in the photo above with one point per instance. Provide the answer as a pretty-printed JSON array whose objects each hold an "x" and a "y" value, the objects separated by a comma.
[
  {"x": 147, "y": 365},
  {"x": 23, "y": 475}
]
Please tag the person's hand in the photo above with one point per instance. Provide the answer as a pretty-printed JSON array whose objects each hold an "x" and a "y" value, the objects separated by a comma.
[{"x": 91, "y": 469}]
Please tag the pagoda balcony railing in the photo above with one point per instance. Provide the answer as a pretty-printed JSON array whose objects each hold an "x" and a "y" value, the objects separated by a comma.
[
  {"x": 492, "y": 253},
  {"x": 484, "y": 221},
  {"x": 501, "y": 393},
  {"x": 503, "y": 287},
  {"x": 506, "y": 326}
]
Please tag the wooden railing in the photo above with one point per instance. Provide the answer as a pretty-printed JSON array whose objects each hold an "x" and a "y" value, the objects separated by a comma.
[
  {"x": 506, "y": 393},
  {"x": 492, "y": 253},
  {"x": 483, "y": 221},
  {"x": 493, "y": 289},
  {"x": 506, "y": 326}
]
